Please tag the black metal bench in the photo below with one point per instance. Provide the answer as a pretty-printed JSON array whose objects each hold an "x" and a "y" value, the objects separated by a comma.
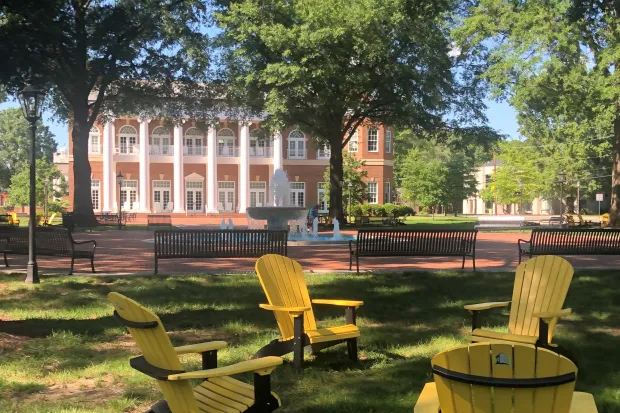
[
  {"x": 158, "y": 220},
  {"x": 219, "y": 243},
  {"x": 51, "y": 241},
  {"x": 413, "y": 243},
  {"x": 570, "y": 241}
]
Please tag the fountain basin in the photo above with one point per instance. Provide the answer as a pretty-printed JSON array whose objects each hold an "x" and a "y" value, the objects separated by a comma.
[{"x": 277, "y": 217}]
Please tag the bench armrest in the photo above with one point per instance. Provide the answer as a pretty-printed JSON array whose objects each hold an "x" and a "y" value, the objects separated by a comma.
[
  {"x": 548, "y": 315},
  {"x": 262, "y": 366},
  {"x": 486, "y": 306},
  {"x": 85, "y": 242},
  {"x": 292, "y": 310},
  {"x": 201, "y": 347},
  {"x": 339, "y": 303}
]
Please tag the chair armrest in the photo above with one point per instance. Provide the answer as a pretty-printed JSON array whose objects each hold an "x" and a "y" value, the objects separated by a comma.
[
  {"x": 262, "y": 366},
  {"x": 428, "y": 402},
  {"x": 201, "y": 347},
  {"x": 553, "y": 314},
  {"x": 486, "y": 306},
  {"x": 292, "y": 310},
  {"x": 339, "y": 303}
]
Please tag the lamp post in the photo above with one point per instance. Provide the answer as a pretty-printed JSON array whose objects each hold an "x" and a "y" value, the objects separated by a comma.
[
  {"x": 521, "y": 198},
  {"x": 561, "y": 180},
  {"x": 349, "y": 186},
  {"x": 31, "y": 99},
  {"x": 119, "y": 181}
]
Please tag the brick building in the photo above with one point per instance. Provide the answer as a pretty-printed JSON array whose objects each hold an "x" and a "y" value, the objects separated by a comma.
[{"x": 185, "y": 170}]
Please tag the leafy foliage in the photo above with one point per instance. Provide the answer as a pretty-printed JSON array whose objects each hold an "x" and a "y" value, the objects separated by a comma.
[
  {"x": 46, "y": 176},
  {"x": 353, "y": 176},
  {"x": 15, "y": 144}
]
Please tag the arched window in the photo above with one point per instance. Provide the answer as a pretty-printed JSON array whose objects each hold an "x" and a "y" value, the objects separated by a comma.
[
  {"x": 259, "y": 146},
  {"x": 93, "y": 140},
  {"x": 296, "y": 145},
  {"x": 373, "y": 140},
  {"x": 160, "y": 141},
  {"x": 194, "y": 142},
  {"x": 127, "y": 139},
  {"x": 226, "y": 142}
]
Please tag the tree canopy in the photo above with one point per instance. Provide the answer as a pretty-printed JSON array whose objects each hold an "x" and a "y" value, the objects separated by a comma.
[
  {"x": 330, "y": 66},
  {"x": 47, "y": 176},
  {"x": 96, "y": 57},
  {"x": 555, "y": 61},
  {"x": 354, "y": 184},
  {"x": 15, "y": 144}
]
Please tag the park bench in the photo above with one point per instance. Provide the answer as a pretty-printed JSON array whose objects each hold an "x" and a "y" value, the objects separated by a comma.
[
  {"x": 501, "y": 222},
  {"x": 50, "y": 241},
  {"x": 108, "y": 219},
  {"x": 554, "y": 221},
  {"x": 413, "y": 243},
  {"x": 219, "y": 243},
  {"x": 570, "y": 241},
  {"x": 158, "y": 220}
]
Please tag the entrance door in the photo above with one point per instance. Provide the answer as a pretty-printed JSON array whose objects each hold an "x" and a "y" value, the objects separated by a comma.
[
  {"x": 129, "y": 195},
  {"x": 128, "y": 144},
  {"x": 226, "y": 196},
  {"x": 258, "y": 193},
  {"x": 193, "y": 196},
  {"x": 161, "y": 196}
]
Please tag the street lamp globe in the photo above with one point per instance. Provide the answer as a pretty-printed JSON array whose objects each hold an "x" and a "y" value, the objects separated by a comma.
[
  {"x": 119, "y": 179},
  {"x": 31, "y": 100}
]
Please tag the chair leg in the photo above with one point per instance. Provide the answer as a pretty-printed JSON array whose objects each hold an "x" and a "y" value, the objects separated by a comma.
[
  {"x": 6, "y": 262},
  {"x": 463, "y": 265},
  {"x": 298, "y": 342},
  {"x": 350, "y": 261},
  {"x": 357, "y": 263},
  {"x": 473, "y": 261},
  {"x": 92, "y": 263},
  {"x": 264, "y": 401},
  {"x": 352, "y": 348}
]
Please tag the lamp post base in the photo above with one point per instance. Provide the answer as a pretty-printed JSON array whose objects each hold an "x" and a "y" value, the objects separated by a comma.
[{"x": 32, "y": 273}]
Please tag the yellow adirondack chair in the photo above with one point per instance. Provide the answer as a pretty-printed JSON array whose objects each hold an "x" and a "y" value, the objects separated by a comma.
[
  {"x": 13, "y": 218},
  {"x": 570, "y": 220},
  {"x": 283, "y": 282},
  {"x": 605, "y": 220},
  {"x": 539, "y": 292},
  {"x": 217, "y": 393},
  {"x": 517, "y": 378}
]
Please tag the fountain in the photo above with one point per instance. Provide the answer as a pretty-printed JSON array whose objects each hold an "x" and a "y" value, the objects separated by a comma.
[
  {"x": 336, "y": 236},
  {"x": 223, "y": 224},
  {"x": 278, "y": 216},
  {"x": 230, "y": 224},
  {"x": 315, "y": 227}
]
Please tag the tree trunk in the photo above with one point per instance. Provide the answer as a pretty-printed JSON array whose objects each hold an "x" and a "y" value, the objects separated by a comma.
[
  {"x": 83, "y": 214},
  {"x": 614, "y": 213},
  {"x": 336, "y": 177}
]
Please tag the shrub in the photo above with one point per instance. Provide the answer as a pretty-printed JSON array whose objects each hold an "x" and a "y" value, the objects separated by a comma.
[
  {"x": 378, "y": 210},
  {"x": 390, "y": 209},
  {"x": 366, "y": 209},
  {"x": 356, "y": 210}
]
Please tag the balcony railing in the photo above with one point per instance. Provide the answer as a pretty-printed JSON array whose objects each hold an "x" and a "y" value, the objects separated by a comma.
[
  {"x": 127, "y": 149},
  {"x": 261, "y": 152},
  {"x": 164, "y": 150},
  {"x": 228, "y": 151},
  {"x": 323, "y": 154},
  {"x": 296, "y": 154},
  {"x": 195, "y": 150}
]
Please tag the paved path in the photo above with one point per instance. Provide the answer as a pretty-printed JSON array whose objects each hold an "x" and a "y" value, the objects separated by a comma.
[{"x": 126, "y": 252}]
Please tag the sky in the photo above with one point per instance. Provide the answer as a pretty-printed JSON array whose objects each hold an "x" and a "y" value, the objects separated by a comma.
[{"x": 502, "y": 117}]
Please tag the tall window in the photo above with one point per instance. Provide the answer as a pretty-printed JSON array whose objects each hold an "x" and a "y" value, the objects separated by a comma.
[
  {"x": 386, "y": 193},
  {"x": 129, "y": 194},
  {"x": 258, "y": 144},
  {"x": 353, "y": 143},
  {"x": 127, "y": 139},
  {"x": 160, "y": 142},
  {"x": 388, "y": 141},
  {"x": 324, "y": 151},
  {"x": 298, "y": 194},
  {"x": 93, "y": 140},
  {"x": 372, "y": 192},
  {"x": 226, "y": 142},
  {"x": 373, "y": 140},
  {"x": 94, "y": 194},
  {"x": 323, "y": 206},
  {"x": 296, "y": 145},
  {"x": 258, "y": 193},
  {"x": 193, "y": 142}
]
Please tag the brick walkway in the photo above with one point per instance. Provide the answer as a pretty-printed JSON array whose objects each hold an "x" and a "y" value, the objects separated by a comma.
[{"x": 126, "y": 252}]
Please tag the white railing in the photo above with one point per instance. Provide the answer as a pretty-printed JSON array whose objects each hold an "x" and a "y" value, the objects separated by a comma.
[
  {"x": 165, "y": 150},
  {"x": 323, "y": 154},
  {"x": 195, "y": 150},
  {"x": 296, "y": 154},
  {"x": 127, "y": 149},
  {"x": 228, "y": 151},
  {"x": 261, "y": 152}
]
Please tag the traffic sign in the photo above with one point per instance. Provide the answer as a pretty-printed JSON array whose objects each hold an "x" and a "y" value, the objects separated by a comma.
[{"x": 600, "y": 197}]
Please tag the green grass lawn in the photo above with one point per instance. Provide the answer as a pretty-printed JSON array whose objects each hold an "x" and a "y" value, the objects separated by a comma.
[{"x": 61, "y": 350}]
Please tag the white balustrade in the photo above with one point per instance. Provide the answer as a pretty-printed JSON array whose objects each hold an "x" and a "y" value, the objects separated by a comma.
[{"x": 164, "y": 150}]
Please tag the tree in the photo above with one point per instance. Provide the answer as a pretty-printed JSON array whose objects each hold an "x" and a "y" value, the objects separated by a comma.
[
  {"x": 353, "y": 181},
  {"x": 98, "y": 57},
  {"x": 330, "y": 66},
  {"x": 556, "y": 61},
  {"x": 434, "y": 175},
  {"x": 15, "y": 144},
  {"x": 49, "y": 180}
]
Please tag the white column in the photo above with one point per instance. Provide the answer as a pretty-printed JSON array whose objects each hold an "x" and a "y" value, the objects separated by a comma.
[
  {"x": 179, "y": 205},
  {"x": 108, "y": 176},
  {"x": 277, "y": 150},
  {"x": 211, "y": 172},
  {"x": 145, "y": 199},
  {"x": 244, "y": 167}
]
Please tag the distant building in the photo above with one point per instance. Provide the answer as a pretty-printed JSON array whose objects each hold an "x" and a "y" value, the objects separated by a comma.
[
  {"x": 476, "y": 205},
  {"x": 61, "y": 161}
]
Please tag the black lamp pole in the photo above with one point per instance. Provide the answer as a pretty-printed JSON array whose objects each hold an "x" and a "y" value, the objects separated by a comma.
[
  {"x": 561, "y": 179},
  {"x": 119, "y": 180},
  {"x": 31, "y": 99},
  {"x": 350, "y": 186}
]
